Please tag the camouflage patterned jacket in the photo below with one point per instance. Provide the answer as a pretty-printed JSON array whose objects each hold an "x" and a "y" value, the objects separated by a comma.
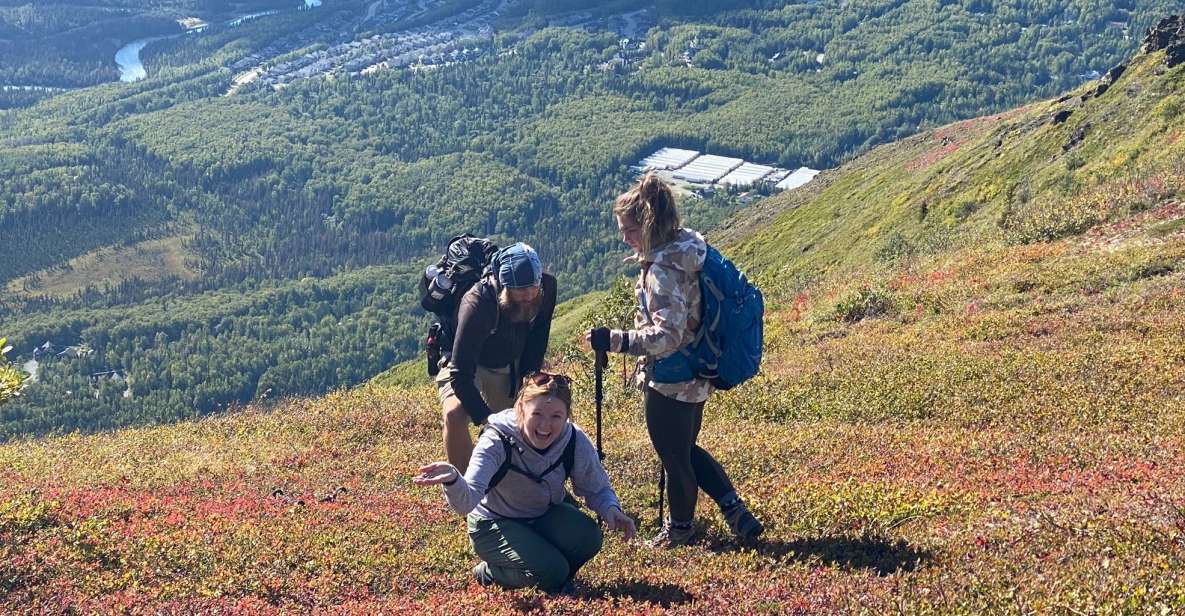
[{"x": 668, "y": 310}]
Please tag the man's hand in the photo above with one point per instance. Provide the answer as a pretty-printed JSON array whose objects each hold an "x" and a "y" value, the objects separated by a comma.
[
  {"x": 436, "y": 473},
  {"x": 616, "y": 519}
]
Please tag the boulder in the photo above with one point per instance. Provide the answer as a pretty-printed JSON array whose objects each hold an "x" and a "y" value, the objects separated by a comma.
[{"x": 1168, "y": 35}]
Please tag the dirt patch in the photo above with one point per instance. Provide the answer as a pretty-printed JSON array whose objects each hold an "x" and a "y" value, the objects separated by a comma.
[{"x": 148, "y": 260}]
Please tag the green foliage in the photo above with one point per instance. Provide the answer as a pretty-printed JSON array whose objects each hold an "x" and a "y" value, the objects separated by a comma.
[
  {"x": 10, "y": 379},
  {"x": 614, "y": 310},
  {"x": 1004, "y": 447},
  {"x": 411, "y": 373},
  {"x": 183, "y": 355},
  {"x": 869, "y": 509},
  {"x": 1004, "y": 437},
  {"x": 982, "y": 181},
  {"x": 865, "y": 302}
]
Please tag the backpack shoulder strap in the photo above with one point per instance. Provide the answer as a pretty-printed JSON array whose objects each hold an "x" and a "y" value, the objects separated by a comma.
[
  {"x": 567, "y": 460},
  {"x": 490, "y": 293},
  {"x": 500, "y": 474},
  {"x": 569, "y": 455}
]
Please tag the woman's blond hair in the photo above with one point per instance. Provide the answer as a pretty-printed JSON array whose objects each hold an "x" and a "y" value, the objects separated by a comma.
[
  {"x": 530, "y": 391},
  {"x": 651, "y": 204}
]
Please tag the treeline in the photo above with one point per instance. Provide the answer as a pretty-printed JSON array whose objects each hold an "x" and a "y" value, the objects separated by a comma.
[
  {"x": 77, "y": 55},
  {"x": 178, "y": 356}
]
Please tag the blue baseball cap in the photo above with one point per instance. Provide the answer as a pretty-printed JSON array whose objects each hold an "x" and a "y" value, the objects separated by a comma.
[{"x": 518, "y": 267}]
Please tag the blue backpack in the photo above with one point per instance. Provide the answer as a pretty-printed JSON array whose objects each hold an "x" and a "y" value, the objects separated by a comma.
[{"x": 727, "y": 348}]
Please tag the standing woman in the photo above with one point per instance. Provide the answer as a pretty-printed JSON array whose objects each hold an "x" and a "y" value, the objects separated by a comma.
[
  {"x": 668, "y": 317},
  {"x": 513, "y": 491}
]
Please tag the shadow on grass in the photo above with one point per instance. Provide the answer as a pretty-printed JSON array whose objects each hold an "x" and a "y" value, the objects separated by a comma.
[
  {"x": 880, "y": 555},
  {"x": 663, "y": 595}
]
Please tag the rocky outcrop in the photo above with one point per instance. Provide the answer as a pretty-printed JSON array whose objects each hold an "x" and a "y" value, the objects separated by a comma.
[
  {"x": 1168, "y": 35},
  {"x": 1110, "y": 78},
  {"x": 1078, "y": 137}
]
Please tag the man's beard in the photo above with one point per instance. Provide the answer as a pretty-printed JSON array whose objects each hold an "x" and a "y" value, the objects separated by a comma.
[{"x": 519, "y": 312}]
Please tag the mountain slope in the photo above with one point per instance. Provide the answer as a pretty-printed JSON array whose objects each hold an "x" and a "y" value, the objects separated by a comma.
[
  {"x": 980, "y": 425},
  {"x": 1041, "y": 172}
]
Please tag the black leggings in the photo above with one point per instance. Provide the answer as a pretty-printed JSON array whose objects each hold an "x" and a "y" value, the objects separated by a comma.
[{"x": 674, "y": 427}]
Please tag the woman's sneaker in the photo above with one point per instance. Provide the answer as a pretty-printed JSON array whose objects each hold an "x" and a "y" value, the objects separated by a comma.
[
  {"x": 744, "y": 525},
  {"x": 673, "y": 535}
]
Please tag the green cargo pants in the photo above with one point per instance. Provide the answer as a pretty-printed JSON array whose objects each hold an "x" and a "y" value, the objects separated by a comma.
[{"x": 545, "y": 552}]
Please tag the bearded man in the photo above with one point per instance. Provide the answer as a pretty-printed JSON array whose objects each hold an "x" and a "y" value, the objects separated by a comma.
[{"x": 503, "y": 325}]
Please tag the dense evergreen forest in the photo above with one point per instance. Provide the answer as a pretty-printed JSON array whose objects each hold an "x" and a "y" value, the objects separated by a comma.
[{"x": 301, "y": 215}]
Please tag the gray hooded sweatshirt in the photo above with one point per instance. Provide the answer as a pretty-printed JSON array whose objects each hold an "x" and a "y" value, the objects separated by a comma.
[{"x": 518, "y": 496}]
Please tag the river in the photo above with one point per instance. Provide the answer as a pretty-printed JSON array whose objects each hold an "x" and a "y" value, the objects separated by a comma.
[{"x": 128, "y": 57}]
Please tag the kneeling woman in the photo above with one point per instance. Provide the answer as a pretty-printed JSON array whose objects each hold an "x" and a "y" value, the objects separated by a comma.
[{"x": 513, "y": 491}]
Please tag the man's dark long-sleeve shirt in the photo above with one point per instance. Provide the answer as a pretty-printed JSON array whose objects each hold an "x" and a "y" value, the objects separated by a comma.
[{"x": 483, "y": 338}]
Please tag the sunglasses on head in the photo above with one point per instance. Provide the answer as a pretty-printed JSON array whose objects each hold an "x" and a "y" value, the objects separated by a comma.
[{"x": 543, "y": 378}]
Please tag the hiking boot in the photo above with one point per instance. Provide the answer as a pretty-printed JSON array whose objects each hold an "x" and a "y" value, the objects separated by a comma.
[
  {"x": 673, "y": 536},
  {"x": 481, "y": 573},
  {"x": 744, "y": 525}
]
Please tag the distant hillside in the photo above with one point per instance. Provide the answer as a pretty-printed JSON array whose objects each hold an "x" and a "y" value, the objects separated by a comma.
[{"x": 1102, "y": 152}]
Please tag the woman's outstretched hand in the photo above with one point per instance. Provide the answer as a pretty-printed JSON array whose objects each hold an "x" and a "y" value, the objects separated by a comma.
[
  {"x": 616, "y": 519},
  {"x": 436, "y": 473}
]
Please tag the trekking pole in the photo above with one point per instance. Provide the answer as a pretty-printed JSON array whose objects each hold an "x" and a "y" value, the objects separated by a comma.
[
  {"x": 662, "y": 490},
  {"x": 599, "y": 370}
]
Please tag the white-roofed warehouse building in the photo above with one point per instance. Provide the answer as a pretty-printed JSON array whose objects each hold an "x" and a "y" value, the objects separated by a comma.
[
  {"x": 797, "y": 179},
  {"x": 667, "y": 158},
  {"x": 707, "y": 169},
  {"x": 778, "y": 175},
  {"x": 746, "y": 175}
]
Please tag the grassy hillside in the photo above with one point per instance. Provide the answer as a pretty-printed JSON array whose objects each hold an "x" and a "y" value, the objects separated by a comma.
[
  {"x": 1041, "y": 172},
  {"x": 1012, "y": 446},
  {"x": 973, "y": 402}
]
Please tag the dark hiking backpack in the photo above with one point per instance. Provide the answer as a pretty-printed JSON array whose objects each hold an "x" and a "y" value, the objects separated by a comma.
[
  {"x": 510, "y": 443},
  {"x": 727, "y": 348},
  {"x": 442, "y": 286}
]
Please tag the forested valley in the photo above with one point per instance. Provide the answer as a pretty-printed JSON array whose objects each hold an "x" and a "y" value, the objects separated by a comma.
[{"x": 295, "y": 220}]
